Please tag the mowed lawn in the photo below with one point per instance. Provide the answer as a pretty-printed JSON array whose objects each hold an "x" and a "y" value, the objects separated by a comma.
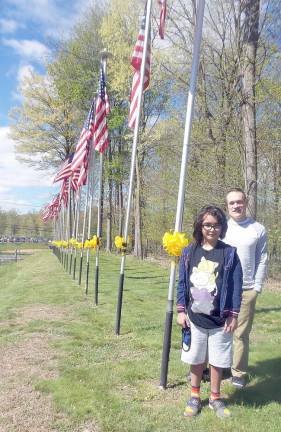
[{"x": 114, "y": 380}]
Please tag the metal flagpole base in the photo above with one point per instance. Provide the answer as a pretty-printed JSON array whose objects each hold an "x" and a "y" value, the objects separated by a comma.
[
  {"x": 80, "y": 270},
  {"x": 74, "y": 268},
  {"x": 87, "y": 278},
  {"x": 97, "y": 285},
  {"x": 166, "y": 349},
  {"x": 119, "y": 304},
  {"x": 70, "y": 264}
]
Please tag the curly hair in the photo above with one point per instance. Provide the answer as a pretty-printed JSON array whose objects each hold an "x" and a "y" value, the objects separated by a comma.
[{"x": 213, "y": 211}]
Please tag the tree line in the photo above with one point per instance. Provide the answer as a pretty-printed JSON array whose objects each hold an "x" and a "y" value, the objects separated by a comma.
[{"x": 236, "y": 138}]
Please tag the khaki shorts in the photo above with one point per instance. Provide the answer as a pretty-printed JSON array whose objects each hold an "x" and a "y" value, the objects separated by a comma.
[{"x": 213, "y": 345}]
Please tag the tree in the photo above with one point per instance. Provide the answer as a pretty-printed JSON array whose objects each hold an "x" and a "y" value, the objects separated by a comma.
[{"x": 250, "y": 45}]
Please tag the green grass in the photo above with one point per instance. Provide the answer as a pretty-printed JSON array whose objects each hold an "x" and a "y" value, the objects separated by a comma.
[
  {"x": 114, "y": 379},
  {"x": 21, "y": 246}
]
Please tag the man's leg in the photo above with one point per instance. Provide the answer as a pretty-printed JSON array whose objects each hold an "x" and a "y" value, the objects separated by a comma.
[{"x": 242, "y": 333}]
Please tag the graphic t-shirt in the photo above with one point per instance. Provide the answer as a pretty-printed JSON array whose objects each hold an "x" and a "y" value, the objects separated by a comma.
[{"x": 206, "y": 272}]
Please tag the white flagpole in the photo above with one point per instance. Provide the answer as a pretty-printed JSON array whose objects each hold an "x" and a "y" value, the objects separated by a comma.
[
  {"x": 181, "y": 192},
  {"x": 84, "y": 229},
  {"x": 104, "y": 57},
  {"x": 133, "y": 163},
  {"x": 91, "y": 183},
  {"x": 77, "y": 222}
]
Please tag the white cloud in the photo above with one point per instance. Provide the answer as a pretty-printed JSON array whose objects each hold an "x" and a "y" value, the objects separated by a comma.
[
  {"x": 8, "y": 25},
  {"x": 16, "y": 176},
  {"x": 56, "y": 18},
  {"x": 30, "y": 49}
]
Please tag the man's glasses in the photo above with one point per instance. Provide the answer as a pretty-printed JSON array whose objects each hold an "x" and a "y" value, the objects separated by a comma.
[{"x": 209, "y": 226}]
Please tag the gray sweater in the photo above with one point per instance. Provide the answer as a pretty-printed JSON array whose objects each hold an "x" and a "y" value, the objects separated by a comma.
[{"x": 249, "y": 237}]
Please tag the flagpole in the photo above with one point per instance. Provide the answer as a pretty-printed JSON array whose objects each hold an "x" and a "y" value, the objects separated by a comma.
[
  {"x": 99, "y": 225},
  {"x": 181, "y": 192},
  {"x": 69, "y": 224},
  {"x": 83, "y": 232},
  {"x": 91, "y": 182},
  {"x": 78, "y": 197},
  {"x": 72, "y": 226},
  {"x": 132, "y": 169},
  {"x": 104, "y": 56}
]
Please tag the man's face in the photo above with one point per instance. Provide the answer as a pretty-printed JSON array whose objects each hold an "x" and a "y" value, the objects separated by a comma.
[{"x": 236, "y": 205}]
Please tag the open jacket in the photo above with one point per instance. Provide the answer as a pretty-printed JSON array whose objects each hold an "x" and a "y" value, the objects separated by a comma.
[{"x": 231, "y": 288}]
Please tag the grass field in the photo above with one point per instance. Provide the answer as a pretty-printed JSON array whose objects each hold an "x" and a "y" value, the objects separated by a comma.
[{"x": 103, "y": 382}]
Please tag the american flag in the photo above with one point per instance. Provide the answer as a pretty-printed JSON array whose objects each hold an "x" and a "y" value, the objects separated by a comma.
[
  {"x": 51, "y": 210},
  {"x": 65, "y": 171},
  {"x": 136, "y": 63},
  {"x": 163, "y": 13},
  {"x": 101, "y": 139},
  {"x": 82, "y": 148},
  {"x": 63, "y": 195}
]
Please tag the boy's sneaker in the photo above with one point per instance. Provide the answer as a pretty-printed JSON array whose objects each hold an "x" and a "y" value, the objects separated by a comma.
[
  {"x": 219, "y": 407},
  {"x": 193, "y": 407},
  {"x": 238, "y": 382}
]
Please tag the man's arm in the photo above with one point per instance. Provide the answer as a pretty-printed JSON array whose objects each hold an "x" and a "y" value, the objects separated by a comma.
[{"x": 261, "y": 259}]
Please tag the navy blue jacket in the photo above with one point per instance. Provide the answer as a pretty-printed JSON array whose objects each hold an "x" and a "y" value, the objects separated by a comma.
[{"x": 231, "y": 289}]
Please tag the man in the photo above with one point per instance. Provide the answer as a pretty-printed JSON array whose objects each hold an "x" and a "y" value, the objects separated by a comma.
[{"x": 249, "y": 237}]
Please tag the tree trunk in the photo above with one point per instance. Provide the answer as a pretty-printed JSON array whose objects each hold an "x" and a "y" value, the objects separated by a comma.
[{"x": 250, "y": 42}]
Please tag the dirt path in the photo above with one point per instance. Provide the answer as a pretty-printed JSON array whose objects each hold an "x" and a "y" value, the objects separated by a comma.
[{"x": 23, "y": 408}]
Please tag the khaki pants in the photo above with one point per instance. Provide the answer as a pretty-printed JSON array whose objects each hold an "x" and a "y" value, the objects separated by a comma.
[{"x": 242, "y": 333}]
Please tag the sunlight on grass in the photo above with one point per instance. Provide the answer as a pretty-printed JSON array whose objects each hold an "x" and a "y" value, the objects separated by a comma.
[{"x": 114, "y": 379}]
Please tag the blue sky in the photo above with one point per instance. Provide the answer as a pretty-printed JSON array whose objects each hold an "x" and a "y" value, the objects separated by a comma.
[{"x": 28, "y": 28}]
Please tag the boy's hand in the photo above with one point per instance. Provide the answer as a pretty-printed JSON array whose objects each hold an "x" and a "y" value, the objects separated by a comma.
[
  {"x": 230, "y": 324},
  {"x": 183, "y": 320}
]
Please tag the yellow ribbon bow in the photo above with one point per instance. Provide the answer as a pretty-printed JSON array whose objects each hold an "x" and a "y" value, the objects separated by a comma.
[
  {"x": 174, "y": 243},
  {"x": 120, "y": 242}
]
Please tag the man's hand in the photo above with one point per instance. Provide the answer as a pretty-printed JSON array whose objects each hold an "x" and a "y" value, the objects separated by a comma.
[
  {"x": 230, "y": 324},
  {"x": 183, "y": 320}
]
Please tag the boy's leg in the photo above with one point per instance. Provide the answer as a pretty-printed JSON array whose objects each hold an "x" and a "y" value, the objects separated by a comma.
[
  {"x": 196, "y": 358},
  {"x": 193, "y": 405},
  {"x": 220, "y": 356},
  {"x": 216, "y": 375}
]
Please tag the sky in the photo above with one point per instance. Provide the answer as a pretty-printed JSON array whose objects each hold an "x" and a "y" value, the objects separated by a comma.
[{"x": 28, "y": 29}]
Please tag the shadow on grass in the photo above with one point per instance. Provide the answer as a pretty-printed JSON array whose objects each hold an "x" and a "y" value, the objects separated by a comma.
[
  {"x": 268, "y": 387},
  {"x": 144, "y": 277},
  {"x": 269, "y": 309}
]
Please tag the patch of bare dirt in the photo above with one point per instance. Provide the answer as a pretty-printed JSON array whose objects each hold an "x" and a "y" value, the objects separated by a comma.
[
  {"x": 23, "y": 408},
  {"x": 41, "y": 312}
]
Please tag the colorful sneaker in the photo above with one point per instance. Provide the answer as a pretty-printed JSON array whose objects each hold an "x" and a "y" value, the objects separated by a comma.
[
  {"x": 193, "y": 407},
  {"x": 238, "y": 382},
  {"x": 219, "y": 407}
]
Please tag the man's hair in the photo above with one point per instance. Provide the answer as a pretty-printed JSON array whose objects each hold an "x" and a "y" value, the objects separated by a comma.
[
  {"x": 235, "y": 189},
  {"x": 209, "y": 210}
]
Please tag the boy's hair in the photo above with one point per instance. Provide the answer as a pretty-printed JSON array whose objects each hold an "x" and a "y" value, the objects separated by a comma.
[
  {"x": 211, "y": 210},
  {"x": 235, "y": 189}
]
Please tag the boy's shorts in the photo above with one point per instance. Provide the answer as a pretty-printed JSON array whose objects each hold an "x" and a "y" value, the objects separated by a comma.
[{"x": 212, "y": 345}]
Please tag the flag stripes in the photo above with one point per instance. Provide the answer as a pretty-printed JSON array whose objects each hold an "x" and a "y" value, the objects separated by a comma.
[
  {"x": 163, "y": 14},
  {"x": 136, "y": 63},
  {"x": 101, "y": 138}
]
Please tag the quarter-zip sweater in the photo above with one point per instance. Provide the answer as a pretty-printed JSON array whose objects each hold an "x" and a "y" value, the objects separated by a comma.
[{"x": 249, "y": 237}]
